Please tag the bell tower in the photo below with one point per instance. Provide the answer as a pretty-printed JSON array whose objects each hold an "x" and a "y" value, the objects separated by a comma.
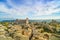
[{"x": 27, "y": 21}]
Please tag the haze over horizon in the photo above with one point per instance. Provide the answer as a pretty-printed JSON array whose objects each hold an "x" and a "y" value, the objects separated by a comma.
[{"x": 33, "y": 9}]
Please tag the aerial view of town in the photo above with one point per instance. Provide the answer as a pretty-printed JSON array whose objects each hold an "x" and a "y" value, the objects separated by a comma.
[{"x": 29, "y": 19}]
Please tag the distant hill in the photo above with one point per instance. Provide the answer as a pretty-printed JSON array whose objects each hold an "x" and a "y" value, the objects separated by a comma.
[
  {"x": 7, "y": 21},
  {"x": 49, "y": 20},
  {"x": 58, "y": 20}
]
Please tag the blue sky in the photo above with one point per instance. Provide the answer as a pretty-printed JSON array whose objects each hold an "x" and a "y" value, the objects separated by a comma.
[{"x": 33, "y": 9}]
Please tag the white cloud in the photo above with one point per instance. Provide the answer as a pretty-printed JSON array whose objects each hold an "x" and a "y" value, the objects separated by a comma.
[
  {"x": 14, "y": 11},
  {"x": 47, "y": 9},
  {"x": 38, "y": 8},
  {"x": 45, "y": 18}
]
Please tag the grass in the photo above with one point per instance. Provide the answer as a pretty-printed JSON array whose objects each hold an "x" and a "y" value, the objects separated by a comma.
[
  {"x": 1, "y": 38},
  {"x": 54, "y": 38}
]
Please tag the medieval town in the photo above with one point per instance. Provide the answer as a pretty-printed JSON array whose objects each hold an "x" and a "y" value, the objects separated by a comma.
[{"x": 23, "y": 29}]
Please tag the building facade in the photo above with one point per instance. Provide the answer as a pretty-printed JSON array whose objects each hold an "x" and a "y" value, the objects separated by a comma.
[{"x": 22, "y": 21}]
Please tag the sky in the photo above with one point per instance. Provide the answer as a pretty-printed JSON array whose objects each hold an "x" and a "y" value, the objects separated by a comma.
[{"x": 33, "y": 9}]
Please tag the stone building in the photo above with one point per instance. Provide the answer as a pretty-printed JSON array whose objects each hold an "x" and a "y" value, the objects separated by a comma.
[{"x": 22, "y": 21}]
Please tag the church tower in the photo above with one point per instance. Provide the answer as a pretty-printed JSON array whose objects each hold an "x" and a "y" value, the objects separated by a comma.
[{"x": 27, "y": 21}]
